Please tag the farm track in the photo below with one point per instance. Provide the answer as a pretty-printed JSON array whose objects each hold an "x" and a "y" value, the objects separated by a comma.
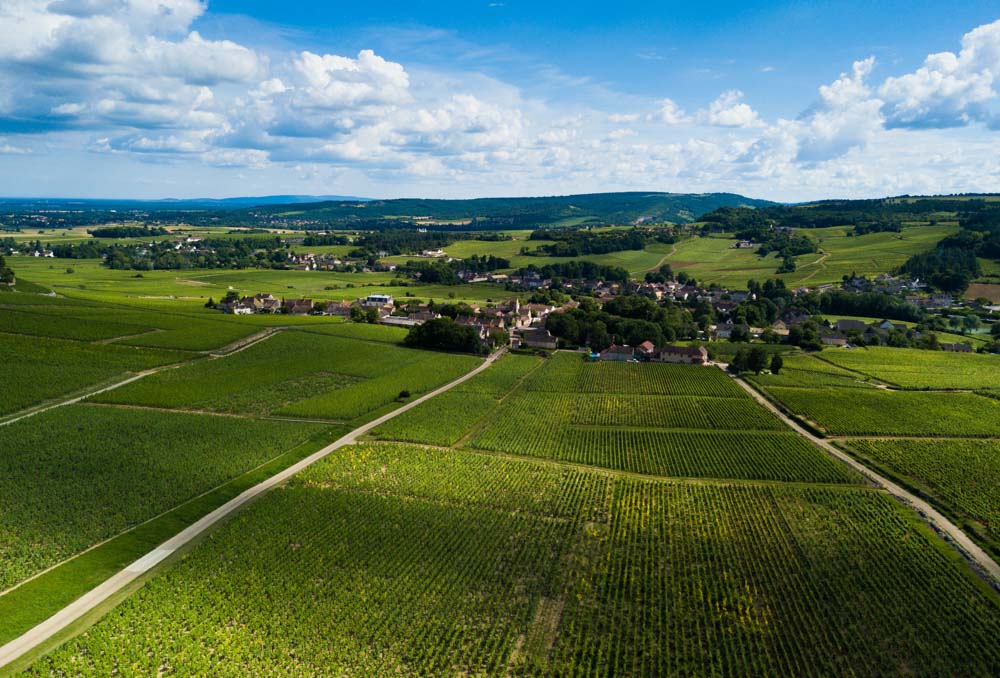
[
  {"x": 245, "y": 342},
  {"x": 73, "y": 612},
  {"x": 976, "y": 555}
]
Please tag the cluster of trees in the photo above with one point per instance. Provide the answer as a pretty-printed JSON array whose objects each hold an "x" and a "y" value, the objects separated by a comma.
[
  {"x": 577, "y": 270},
  {"x": 444, "y": 334},
  {"x": 127, "y": 231},
  {"x": 628, "y": 319},
  {"x": 6, "y": 273},
  {"x": 440, "y": 272},
  {"x": 325, "y": 239},
  {"x": 755, "y": 360},
  {"x": 950, "y": 266},
  {"x": 576, "y": 242}
]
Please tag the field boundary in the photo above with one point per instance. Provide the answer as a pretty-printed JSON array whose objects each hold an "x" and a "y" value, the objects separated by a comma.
[
  {"x": 80, "y": 607},
  {"x": 980, "y": 560}
]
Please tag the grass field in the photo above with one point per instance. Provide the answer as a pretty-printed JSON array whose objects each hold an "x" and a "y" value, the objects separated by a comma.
[
  {"x": 37, "y": 369},
  {"x": 964, "y": 475},
  {"x": 298, "y": 374},
  {"x": 393, "y": 560},
  {"x": 82, "y": 473}
]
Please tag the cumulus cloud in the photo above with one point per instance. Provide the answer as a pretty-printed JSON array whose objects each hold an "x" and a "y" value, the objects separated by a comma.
[
  {"x": 948, "y": 90},
  {"x": 133, "y": 78},
  {"x": 669, "y": 113},
  {"x": 729, "y": 110}
]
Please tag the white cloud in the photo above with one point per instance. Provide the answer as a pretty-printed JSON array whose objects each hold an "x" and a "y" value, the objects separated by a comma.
[
  {"x": 335, "y": 82},
  {"x": 729, "y": 110},
  {"x": 949, "y": 90},
  {"x": 669, "y": 113}
]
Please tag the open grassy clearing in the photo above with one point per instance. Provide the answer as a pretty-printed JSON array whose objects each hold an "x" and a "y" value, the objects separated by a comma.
[
  {"x": 916, "y": 369},
  {"x": 37, "y": 369},
  {"x": 298, "y": 374},
  {"x": 390, "y": 559},
  {"x": 82, "y": 473},
  {"x": 875, "y": 412},
  {"x": 448, "y": 417}
]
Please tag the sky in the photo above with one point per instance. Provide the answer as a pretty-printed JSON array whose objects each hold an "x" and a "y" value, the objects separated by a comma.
[{"x": 788, "y": 101}]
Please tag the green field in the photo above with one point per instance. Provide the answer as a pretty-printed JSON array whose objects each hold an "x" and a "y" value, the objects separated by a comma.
[
  {"x": 874, "y": 412},
  {"x": 964, "y": 475},
  {"x": 38, "y": 369},
  {"x": 298, "y": 374},
  {"x": 393, "y": 560},
  {"x": 82, "y": 473},
  {"x": 916, "y": 369},
  {"x": 713, "y": 260}
]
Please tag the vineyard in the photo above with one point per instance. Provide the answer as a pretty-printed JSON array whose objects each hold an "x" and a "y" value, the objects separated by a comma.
[
  {"x": 60, "y": 326},
  {"x": 38, "y": 368},
  {"x": 567, "y": 373},
  {"x": 297, "y": 374},
  {"x": 875, "y": 412},
  {"x": 78, "y": 474},
  {"x": 809, "y": 371},
  {"x": 917, "y": 369},
  {"x": 445, "y": 419},
  {"x": 963, "y": 474},
  {"x": 393, "y": 560}
]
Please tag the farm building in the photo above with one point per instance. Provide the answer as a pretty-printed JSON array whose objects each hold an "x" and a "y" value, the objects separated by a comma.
[
  {"x": 618, "y": 353},
  {"x": 537, "y": 338},
  {"x": 691, "y": 355}
]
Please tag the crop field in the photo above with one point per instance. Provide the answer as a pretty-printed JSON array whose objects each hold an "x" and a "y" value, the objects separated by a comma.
[
  {"x": 810, "y": 371},
  {"x": 445, "y": 419},
  {"x": 672, "y": 412},
  {"x": 395, "y": 560},
  {"x": 60, "y": 326},
  {"x": 38, "y": 368},
  {"x": 418, "y": 373},
  {"x": 298, "y": 374},
  {"x": 560, "y": 413},
  {"x": 875, "y": 412},
  {"x": 916, "y": 369},
  {"x": 569, "y": 373},
  {"x": 364, "y": 331},
  {"x": 963, "y": 474},
  {"x": 76, "y": 475}
]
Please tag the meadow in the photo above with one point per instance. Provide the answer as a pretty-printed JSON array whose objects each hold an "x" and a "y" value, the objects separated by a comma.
[
  {"x": 79, "y": 474},
  {"x": 396, "y": 560},
  {"x": 963, "y": 475}
]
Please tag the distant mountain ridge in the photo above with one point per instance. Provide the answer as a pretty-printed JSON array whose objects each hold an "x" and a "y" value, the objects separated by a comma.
[
  {"x": 21, "y": 204},
  {"x": 624, "y": 207}
]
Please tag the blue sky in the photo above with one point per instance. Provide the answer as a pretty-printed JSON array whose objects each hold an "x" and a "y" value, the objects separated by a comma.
[{"x": 789, "y": 101}]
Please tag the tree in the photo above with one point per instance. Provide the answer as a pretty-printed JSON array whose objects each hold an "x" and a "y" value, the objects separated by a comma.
[
  {"x": 210, "y": 303},
  {"x": 371, "y": 315},
  {"x": 231, "y": 297},
  {"x": 6, "y": 274},
  {"x": 739, "y": 333},
  {"x": 777, "y": 362},
  {"x": 739, "y": 362},
  {"x": 757, "y": 360},
  {"x": 444, "y": 334},
  {"x": 995, "y": 330}
]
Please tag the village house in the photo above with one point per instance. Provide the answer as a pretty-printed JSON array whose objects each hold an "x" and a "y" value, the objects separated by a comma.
[
  {"x": 846, "y": 325},
  {"x": 689, "y": 355},
  {"x": 645, "y": 350},
  {"x": 828, "y": 338},
  {"x": 297, "y": 306},
  {"x": 536, "y": 338}
]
